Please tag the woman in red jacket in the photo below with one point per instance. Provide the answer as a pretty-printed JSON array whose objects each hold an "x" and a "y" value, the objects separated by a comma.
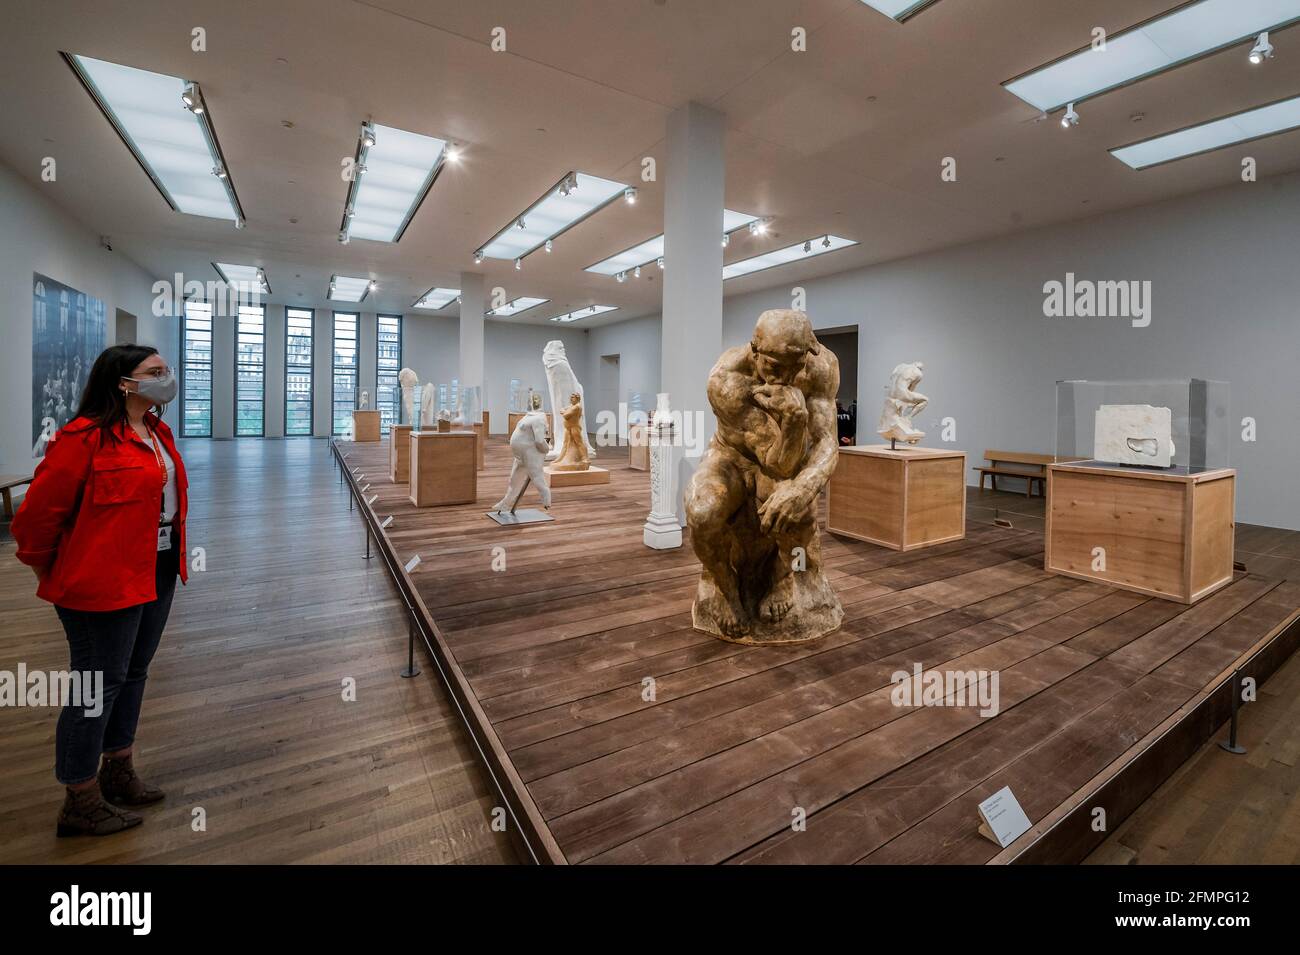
[{"x": 103, "y": 526}]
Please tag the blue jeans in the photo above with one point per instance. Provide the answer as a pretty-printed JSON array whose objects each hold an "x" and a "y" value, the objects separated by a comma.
[{"x": 121, "y": 644}]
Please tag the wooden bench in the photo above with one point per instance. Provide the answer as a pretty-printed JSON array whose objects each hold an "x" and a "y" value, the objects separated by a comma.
[
  {"x": 1031, "y": 468},
  {"x": 7, "y": 484}
]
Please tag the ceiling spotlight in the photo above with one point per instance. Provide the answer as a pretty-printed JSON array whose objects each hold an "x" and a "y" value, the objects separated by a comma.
[
  {"x": 762, "y": 227},
  {"x": 622, "y": 277},
  {"x": 807, "y": 246},
  {"x": 519, "y": 223},
  {"x": 1262, "y": 50},
  {"x": 1071, "y": 117},
  {"x": 219, "y": 172},
  {"x": 629, "y": 195},
  {"x": 478, "y": 257},
  {"x": 592, "y": 309},
  {"x": 452, "y": 154},
  {"x": 361, "y": 169},
  {"x": 192, "y": 99},
  {"x": 460, "y": 300},
  {"x": 660, "y": 261},
  {"x": 548, "y": 245},
  {"x": 637, "y": 273},
  {"x": 367, "y": 136},
  {"x": 726, "y": 240},
  {"x": 519, "y": 264},
  {"x": 373, "y": 285},
  {"x": 239, "y": 222},
  {"x": 826, "y": 242},
  {"x": 343, "y": 237}
]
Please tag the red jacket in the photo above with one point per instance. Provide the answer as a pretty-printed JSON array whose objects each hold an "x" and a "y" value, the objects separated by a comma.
[{"x": 89, "y": 521}]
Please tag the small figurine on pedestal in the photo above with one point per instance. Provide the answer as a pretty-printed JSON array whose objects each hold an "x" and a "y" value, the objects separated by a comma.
[{"x": 902, "y": 402}]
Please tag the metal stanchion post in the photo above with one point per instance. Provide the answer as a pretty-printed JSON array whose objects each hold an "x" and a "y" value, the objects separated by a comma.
[
  {"x": 369, "y": 556},
  {"x": 411, "y": 669},
  {"x": 1231, "y": 745}
]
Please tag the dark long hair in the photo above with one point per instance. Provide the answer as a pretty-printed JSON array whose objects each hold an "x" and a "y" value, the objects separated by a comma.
[{"x": 102, "y": 400}]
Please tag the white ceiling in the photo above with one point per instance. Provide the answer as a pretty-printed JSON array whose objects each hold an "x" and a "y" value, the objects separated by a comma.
[{"x": 847, "y": 137}]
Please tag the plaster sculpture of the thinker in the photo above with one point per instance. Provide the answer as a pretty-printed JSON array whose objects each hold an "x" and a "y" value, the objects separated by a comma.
[{"x": 752, "y": 504}]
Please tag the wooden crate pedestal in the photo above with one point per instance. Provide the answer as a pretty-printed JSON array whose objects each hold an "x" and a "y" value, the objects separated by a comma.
[
  {"x": 1152, "y": 532},
  {"x": 904, "y": 498},
  {"x": 443, "y": 468}
]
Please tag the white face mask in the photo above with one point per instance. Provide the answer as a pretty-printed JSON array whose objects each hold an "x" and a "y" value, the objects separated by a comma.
[{"x": 158, "y": 390}]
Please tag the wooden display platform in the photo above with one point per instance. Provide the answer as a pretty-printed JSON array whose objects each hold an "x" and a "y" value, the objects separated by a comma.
[
  {"x": 442, "y": 468},
  {"x": 593, "y": 475},
  {"x": 1163, "y": 533},
  {"x": 548, "y": 661},
  {"x": 399, "y": 453},
  {"x": 365, "y": 425},
  {"x": 638, "y": 447},
  {"x": 902, "y": 498}
]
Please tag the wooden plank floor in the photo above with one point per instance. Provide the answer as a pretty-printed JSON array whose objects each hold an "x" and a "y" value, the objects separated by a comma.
[
  {"x": 561, "y": 643},
  {"x": 244, "y": 714}
]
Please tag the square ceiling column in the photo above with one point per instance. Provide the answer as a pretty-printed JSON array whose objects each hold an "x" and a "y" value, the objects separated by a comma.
[
  {"x": 693, "y": 212},
  {"x": 472, "y": 298}
]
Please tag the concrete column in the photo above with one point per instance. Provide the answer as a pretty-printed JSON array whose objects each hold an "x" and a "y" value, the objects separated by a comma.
[
  {"x": 273, "y": 381},
  {"x": 692, "y": 314},
  {"x": 322, "y": 372},
  {"x": 223, "y": 373},
  {"x": 367, "y": 346},
  {"x": 472, "y": 307}
]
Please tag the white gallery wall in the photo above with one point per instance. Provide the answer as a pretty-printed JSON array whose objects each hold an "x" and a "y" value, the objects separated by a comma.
[
  {"x": 38, "y": 237},
  {"x": 1225, "y": 304}
]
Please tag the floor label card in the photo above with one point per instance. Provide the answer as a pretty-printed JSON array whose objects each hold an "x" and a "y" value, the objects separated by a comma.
[{"x": 1003, "y": 820}]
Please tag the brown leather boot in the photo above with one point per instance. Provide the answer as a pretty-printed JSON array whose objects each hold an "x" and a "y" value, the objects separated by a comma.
[
  {"x": 85, "y": 813},
  {"x": 122, "y": 787}
]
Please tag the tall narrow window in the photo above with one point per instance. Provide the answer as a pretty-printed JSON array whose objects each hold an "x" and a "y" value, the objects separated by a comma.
[
  {"x": 345, "y": 370},
  {"x": 297, "y": 371},
  {"x": 250, "y": 371},
  {"x": 196, "y": 371},
  {"x": 388, "y": 362}
]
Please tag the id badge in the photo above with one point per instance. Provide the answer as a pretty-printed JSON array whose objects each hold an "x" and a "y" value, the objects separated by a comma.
[{"x": 164, "y": 538}]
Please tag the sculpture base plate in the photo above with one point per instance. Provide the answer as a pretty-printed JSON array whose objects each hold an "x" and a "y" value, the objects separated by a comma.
[
  {"x": 593, "y": 475},
  {"x": 815, "y": 613},
  {"x": 662, "y": 533},
  {"x": 527, "y": 515}
]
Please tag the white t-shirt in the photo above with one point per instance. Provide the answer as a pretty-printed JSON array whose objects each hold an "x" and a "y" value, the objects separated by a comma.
[{"x": 169, "y": 489}]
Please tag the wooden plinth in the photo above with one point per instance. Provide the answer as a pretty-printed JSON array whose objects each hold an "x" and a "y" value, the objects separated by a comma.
[
  {"x": 487, "y": 423},
  {"x": 593, "y": 475},
  {"x": 365, "y": 425},
  {"x": 1162, "y": 533},
  {"x": 517, "y": 416},
  {"x": 480, "y": 434},
  {"x": 443, "y": 468},
  {"x": 903, "y": 499},
  {"x": 638, "y": 448},
  {"x": 399, "y": 453}
]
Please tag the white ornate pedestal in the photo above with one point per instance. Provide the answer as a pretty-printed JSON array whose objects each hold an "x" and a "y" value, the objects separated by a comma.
[{"x": 662, "y": 530}]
